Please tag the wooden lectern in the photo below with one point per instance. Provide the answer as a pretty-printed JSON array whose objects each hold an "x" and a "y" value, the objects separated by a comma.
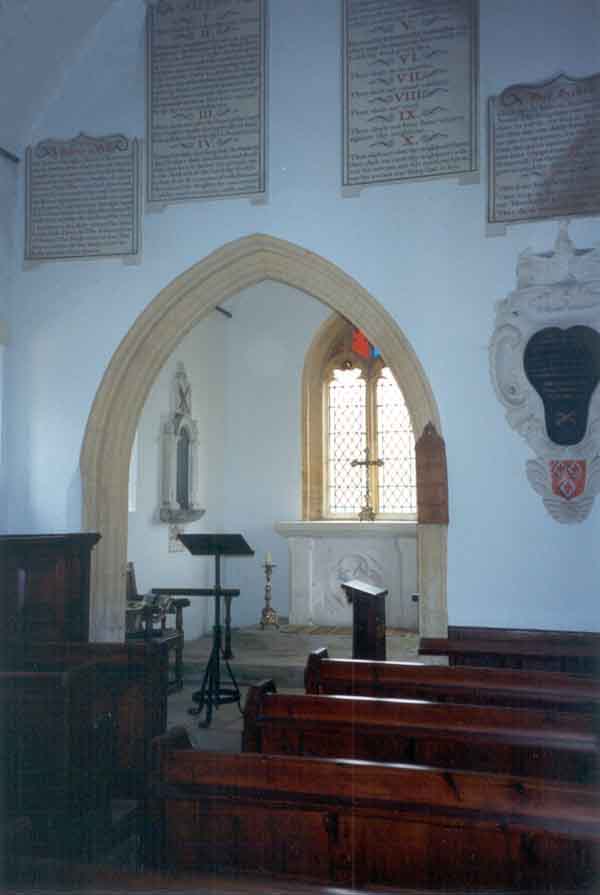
[
  {"x": 368, "y": 624},
  {"x": 212, "y": 693}
]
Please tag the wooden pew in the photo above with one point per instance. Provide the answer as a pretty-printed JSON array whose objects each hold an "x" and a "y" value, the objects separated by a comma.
[
  {"x": 535, "y": 654},
  {"x": 526, "y": 635},
  {"x": 479, "y": 738},
  {"x": 480, "y": 686},
  {"x": 361, "y": 823},
  {"x": 77, "y": 722},
  {"x": 131, "y": 686},
  {"x": 55, "y": 756}
]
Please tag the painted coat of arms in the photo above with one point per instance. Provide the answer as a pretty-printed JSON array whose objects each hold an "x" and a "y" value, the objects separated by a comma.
[{"x": 545, "y": 368}]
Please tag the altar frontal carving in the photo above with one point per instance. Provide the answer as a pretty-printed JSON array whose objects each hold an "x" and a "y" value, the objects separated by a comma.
[{"x": 545, "y": 368}]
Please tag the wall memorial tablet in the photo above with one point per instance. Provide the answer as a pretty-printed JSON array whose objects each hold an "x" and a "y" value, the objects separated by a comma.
[
  {"x": 563, "y": 366},
  {"x": 410, "y": 89},
  {"x": 83, "y": 198},
  {"x": 205, "y": 99},
  {"x": 545, "y": 367},
  {"x": 544, "y": 148}
]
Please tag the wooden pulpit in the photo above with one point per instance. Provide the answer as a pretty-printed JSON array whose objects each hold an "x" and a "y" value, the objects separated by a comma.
[{"x": 368, "y": 623}]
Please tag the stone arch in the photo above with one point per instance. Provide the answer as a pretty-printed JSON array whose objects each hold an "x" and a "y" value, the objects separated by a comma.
[{"x": 142, "y": 353}]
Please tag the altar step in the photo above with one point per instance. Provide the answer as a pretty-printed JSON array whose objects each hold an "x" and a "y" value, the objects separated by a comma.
[{"x": 281, "y": 653}]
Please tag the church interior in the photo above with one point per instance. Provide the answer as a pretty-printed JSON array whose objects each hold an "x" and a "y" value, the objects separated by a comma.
[{"x": 299, "y": 451}]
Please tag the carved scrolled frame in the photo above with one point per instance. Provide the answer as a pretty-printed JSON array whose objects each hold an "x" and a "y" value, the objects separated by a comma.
[{"x": 558, "y": 289}]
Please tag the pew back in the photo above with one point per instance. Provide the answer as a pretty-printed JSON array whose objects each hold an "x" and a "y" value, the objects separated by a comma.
[
  {"x": 531, "y": 653},
  {"x": 533, "y": 742},
  {"x": 55, "y": 755},
  {"x": 480, "y": 686},
  {"x": 360, "y": 823},
  {"x": 129, "y": 686}
]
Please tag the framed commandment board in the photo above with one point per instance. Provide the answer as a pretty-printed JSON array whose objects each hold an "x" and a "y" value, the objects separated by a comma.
[
  {"x": 205, "y": 99},
  {"x": 410, "y": 83},
  {"x": 544, "y": 150},
  {"x": 83, "y": 198}
]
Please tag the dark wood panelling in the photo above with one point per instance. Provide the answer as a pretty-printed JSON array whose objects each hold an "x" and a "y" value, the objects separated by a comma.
[
  {"x": 432, "y": 478},
  {"x": 44, "y": 586}
]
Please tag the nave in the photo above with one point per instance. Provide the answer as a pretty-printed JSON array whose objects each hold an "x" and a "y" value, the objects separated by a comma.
[
  {"x": 394, "y": 776},
  {"x": 480, "y": 774}
]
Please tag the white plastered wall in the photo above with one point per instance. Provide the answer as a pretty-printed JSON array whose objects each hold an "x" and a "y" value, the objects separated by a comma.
[
  {"x": 8, "y": 196},
  {"x": 202, "y": 352},
  {"x": 268, "y": 337},
  {"x": 419, "y": 249},
  {"x": 245, "y": 373}
]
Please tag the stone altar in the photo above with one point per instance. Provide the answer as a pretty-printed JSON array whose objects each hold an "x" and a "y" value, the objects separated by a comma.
[{"x": 326, "y": 554}]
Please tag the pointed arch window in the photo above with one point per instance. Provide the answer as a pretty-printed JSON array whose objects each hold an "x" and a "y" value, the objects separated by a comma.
[{"x": 355, "y": 412}]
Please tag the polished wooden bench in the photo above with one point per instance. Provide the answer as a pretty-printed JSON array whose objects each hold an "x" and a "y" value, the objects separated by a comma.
[
  {"x": 536, "y": 654},
  {"x": 56, "y": 756},
  {"x": 480, "y": 686},
  {"x": 483, "y": 738},
  {"x": 77, "y": 722},
  {"x": 527, "y": 635},
  {"x": 131, "y": 687},
  {"x": 362, "y": 823}
]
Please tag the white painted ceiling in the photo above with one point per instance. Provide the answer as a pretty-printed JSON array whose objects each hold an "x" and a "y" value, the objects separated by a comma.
[{"x": 39, "y": 39}]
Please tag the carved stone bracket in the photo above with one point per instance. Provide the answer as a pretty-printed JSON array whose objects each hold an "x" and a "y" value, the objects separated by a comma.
[
  {"x": 179, "y": 457},
  {"x": 545, "y": 368}
]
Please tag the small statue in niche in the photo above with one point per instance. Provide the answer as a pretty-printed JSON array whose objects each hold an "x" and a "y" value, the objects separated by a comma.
[{"x": 183, "y": 392}]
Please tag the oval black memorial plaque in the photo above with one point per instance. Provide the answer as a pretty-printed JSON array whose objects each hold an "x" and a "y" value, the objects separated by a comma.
[{"x": 563, "y": 366}]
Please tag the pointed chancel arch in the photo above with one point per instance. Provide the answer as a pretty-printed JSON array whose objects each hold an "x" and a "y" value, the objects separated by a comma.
[{"x": 142, "y": 353}]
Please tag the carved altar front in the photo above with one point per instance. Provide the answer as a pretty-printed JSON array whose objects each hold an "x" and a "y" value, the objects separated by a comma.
[{"x": 324, "y": 555}]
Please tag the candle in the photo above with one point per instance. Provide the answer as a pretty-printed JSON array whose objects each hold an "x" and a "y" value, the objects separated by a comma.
[{"x": 268, "y": 559}]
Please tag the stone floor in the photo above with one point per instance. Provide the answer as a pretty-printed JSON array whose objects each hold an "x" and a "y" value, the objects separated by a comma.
[{"x": 280, "y": 654}]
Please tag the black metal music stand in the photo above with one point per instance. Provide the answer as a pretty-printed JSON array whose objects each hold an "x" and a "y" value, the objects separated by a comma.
[{"x": 211, "y": 693}]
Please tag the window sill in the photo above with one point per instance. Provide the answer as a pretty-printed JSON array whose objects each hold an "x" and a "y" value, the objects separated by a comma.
[{"x": 328, "y": 528}]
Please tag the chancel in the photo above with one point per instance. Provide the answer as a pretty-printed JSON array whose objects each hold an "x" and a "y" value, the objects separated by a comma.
[{"x": 321, "y": 278}]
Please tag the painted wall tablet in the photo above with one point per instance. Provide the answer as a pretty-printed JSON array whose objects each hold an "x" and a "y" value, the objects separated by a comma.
[
  {"x": 544, "y": 148},
  {"x": 83, "y": 198}
]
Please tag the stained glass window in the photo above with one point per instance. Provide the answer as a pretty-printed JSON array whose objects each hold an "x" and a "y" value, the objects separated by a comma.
[{"x": 366, "y": 408}]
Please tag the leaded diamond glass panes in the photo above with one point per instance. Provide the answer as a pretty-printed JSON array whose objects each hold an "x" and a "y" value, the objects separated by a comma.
[
  {"x": 346, "y": 441},
  {"x": 396, "y": 447}
]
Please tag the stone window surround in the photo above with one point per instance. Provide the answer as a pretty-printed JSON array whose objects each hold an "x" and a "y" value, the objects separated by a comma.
[{"x": 127, "y": 380}]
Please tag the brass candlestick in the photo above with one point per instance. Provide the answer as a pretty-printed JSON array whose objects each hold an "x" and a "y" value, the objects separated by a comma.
[{"x": 268, "y": 615}]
